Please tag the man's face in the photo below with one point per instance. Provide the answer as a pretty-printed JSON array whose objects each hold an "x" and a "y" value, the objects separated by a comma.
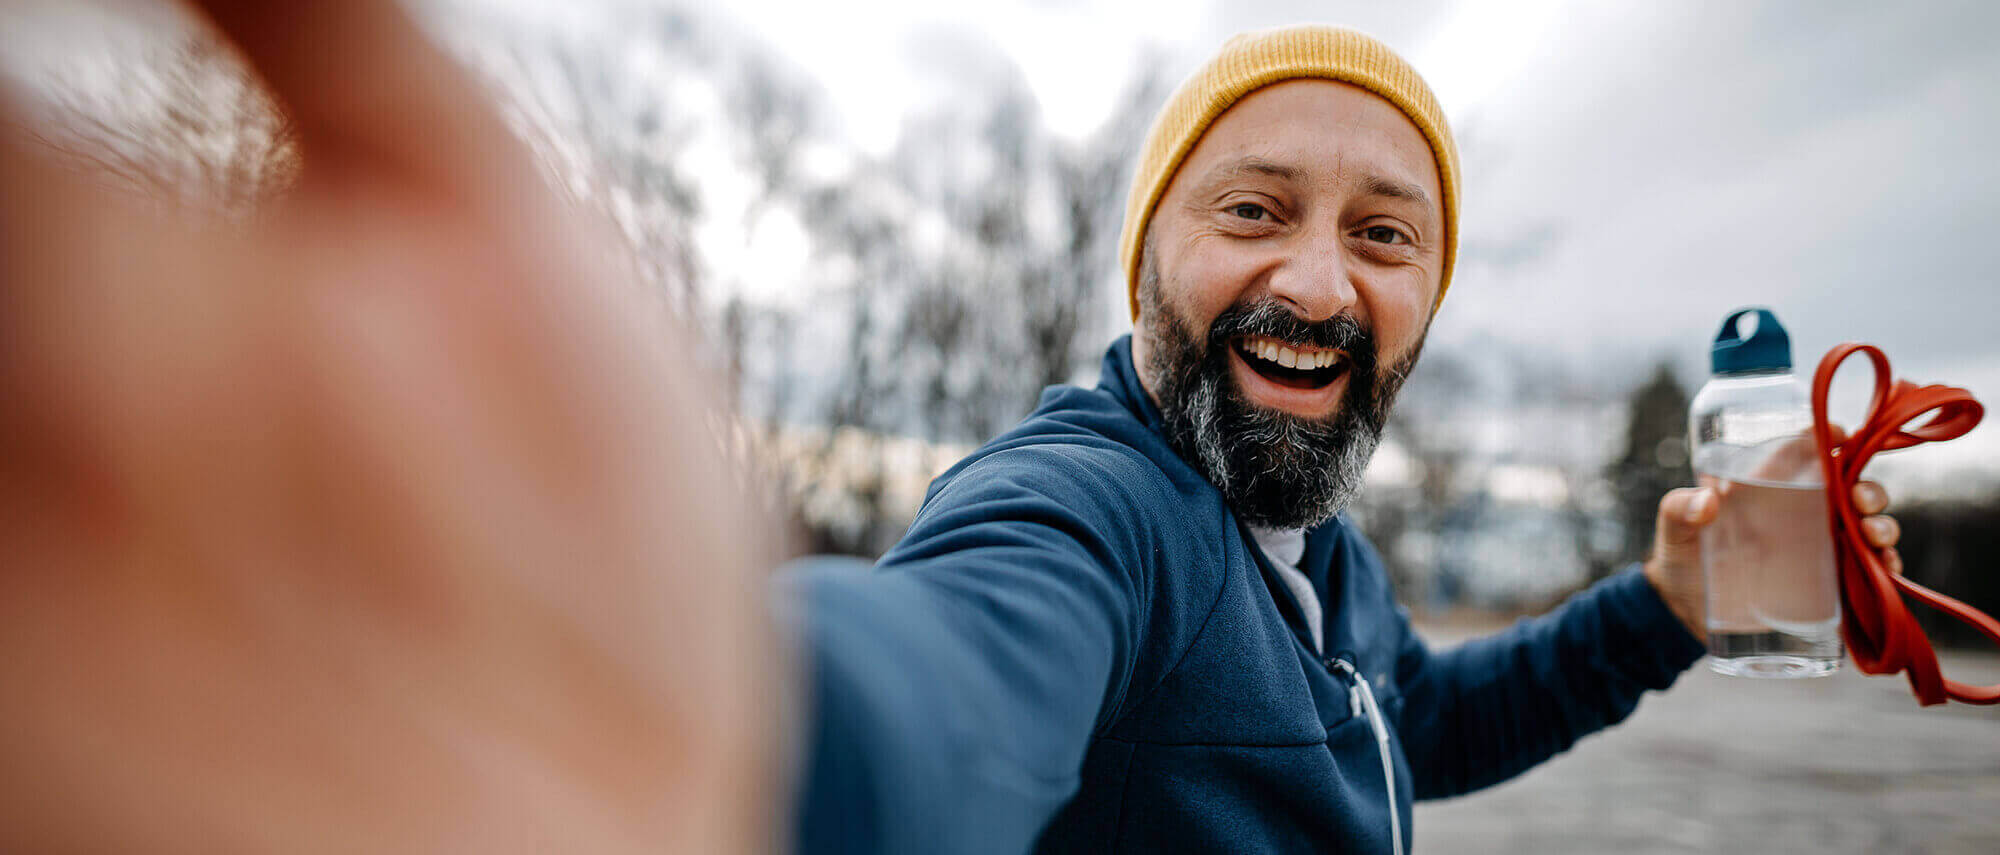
[{"x": 1304, "y": 226}]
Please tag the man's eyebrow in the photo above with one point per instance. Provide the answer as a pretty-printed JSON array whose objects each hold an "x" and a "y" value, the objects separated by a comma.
[
  {"x": 1254, "y": 165},
  {"x": 1377, "y": 185}
]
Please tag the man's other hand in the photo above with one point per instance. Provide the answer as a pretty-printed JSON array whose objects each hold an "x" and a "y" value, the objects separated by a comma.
[
  {"x": 386, "y": 523},
  {"x": 1674, "y": 567}
]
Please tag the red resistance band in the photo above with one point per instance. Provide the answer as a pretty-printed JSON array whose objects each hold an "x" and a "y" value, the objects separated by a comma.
[{"x": 1882, "y": 636}]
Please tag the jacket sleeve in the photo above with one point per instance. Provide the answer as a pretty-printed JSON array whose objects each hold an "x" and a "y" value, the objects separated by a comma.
[
  {"x": 955, "y": 686},
  {"x": 1492, "y": 708}
]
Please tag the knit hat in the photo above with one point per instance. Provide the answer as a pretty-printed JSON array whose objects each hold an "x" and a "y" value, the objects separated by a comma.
[{"x": 1251, "y": 61}]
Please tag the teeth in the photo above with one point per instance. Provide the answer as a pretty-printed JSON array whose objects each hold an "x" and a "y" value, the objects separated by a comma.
[{"x": 1272, "y": 351}]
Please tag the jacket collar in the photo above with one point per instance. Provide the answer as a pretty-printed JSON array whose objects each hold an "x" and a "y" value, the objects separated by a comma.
[{"x": 1119, "y": 378}]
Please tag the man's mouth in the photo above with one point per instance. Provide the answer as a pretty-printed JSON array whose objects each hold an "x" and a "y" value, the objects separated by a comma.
[{"x": 1291, "y": 365}]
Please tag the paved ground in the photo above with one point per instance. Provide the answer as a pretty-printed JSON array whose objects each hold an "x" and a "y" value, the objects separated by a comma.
[{"x": 1841, "y": 764}]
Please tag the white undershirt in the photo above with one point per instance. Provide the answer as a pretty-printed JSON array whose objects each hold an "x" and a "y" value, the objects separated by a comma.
[{"x": 1284, "y": 547}]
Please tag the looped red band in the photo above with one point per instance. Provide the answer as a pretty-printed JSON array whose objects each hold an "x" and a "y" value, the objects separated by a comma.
[{"x": 1882, "y": 636}]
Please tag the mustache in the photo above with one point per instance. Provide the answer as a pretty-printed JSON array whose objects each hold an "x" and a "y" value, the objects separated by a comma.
[{"x": 1272, "y": 318}]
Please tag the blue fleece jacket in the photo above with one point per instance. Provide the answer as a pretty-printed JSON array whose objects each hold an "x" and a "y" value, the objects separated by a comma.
[{"x": 1077, "y": 648}]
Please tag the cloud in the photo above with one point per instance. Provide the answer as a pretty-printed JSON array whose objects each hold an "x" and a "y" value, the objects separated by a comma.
[{"x": 1834, "y": 163}]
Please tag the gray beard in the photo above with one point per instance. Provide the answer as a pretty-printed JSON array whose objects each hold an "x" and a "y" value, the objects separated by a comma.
[
  {"x": 1299, "y": 474},
  {"x": 1276, "y": 470}
]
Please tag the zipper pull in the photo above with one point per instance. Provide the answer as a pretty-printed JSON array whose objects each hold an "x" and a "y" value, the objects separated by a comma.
[{"x": 1339, "y": 666}]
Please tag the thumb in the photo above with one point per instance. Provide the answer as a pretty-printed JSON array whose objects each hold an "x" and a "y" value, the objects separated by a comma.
[{"x": 1674, "y": 568}]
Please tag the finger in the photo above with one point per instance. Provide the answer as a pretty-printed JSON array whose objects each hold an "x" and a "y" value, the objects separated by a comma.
[
  {"x": 1683, "y": 513},
  {"x": 1836, "y": 433},
  {"x": 1894, "y": 560},
  {"x": 1870, "y": 498},
  {"x": 1882, "y": 531},
  {"x": 366, "y": 90}
]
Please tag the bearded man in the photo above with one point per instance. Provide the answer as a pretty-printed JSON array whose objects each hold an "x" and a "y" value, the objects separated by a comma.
[{"x": 1138, "y": 621}]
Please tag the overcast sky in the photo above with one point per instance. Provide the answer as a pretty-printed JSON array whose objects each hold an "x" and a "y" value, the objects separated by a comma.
[{"x": 1632, "y": 171}]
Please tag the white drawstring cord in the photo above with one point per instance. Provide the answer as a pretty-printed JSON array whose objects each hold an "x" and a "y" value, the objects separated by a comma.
[{"x": 1362, "y": 699}]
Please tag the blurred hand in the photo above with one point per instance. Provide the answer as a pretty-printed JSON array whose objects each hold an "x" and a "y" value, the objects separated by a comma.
[
  {"x": 1674, "y": 567},
  {"x": 387, "y": 524}
]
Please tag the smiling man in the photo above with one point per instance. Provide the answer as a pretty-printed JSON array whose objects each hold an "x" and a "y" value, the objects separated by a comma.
[
  {"x": 1138, "y": 621},
  {"x": 1301, "y": 258}
]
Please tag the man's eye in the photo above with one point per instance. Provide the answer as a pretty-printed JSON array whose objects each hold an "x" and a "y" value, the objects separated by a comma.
[
  {"x": 1384, "y": 234},
  {"x": 1249, "y": 211}
]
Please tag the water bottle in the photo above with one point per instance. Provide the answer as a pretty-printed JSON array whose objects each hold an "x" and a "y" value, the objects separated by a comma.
[{"x": 1773, "y": 606}]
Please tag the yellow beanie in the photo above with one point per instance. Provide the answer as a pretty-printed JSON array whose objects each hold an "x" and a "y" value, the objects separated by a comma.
[{"x": 1251, "y": 61}]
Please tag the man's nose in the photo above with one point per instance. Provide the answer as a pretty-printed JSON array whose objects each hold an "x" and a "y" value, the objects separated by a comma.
[{"x": 1314, "y": 280}]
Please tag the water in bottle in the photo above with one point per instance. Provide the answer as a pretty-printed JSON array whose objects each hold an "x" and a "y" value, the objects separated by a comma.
[{"x": 1772, "y": 606}]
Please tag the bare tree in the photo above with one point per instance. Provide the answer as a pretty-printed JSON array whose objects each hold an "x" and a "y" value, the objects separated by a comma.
[
  {"x": 1091, "y": 178},
  {"x": 1655, "y": 457},
  {"x": 772, "y": 117},
  {"x": 1002, "y": 306},
  {"x": 611, "y": 138},
  {"x": 965, "y": 269}
]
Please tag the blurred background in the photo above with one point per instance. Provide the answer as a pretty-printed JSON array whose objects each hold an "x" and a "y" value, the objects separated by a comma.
[{"x": 894, "y": 222}]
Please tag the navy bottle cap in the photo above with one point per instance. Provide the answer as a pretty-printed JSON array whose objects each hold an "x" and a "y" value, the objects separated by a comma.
[{"x": 1766, "y": 348}]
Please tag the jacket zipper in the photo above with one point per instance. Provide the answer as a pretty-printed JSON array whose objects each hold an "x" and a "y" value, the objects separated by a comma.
[{"x": 1361, "y": 698}]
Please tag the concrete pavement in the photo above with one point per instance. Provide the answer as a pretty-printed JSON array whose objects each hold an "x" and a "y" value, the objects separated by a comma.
[{"x": 1840, "y": 764}]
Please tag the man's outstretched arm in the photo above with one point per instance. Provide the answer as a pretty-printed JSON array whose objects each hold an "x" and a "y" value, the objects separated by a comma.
[
  {"x": 956, "y": 685},
  {"x": 1494, "y": 707}
]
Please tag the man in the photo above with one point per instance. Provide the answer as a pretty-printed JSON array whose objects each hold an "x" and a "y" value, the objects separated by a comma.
[{"x": 1137, "y": 622}]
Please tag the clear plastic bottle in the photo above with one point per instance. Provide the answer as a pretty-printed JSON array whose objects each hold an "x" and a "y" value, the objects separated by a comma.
[{"x": 1773, "y": 609}]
